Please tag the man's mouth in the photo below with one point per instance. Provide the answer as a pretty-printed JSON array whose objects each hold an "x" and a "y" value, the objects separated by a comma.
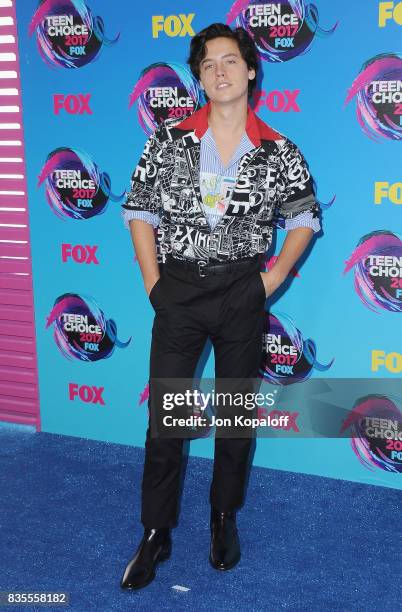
[{"x": 222, "y": 85}]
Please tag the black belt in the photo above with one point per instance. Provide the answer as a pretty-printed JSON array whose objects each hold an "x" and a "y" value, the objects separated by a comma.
[{"x": 204, "y": 268}]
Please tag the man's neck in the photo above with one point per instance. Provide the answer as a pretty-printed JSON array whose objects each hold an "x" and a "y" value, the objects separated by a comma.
[{"x": 229, "y": 119}]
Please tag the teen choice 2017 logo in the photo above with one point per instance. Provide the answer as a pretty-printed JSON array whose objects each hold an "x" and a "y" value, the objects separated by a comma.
[
  {"x": 281, "y": 30},
  {"x": 287, "y": 357},
  {"x": 375, "y": 423},
  {"x": 378, "y": 93},
  {"x": 165, "y": 90},
  {"x": 75, "y": 187},
  {"x": 377, "y": 263},
  {"x": 68, "y": 35},
  {"x": 81, "y": 330}
]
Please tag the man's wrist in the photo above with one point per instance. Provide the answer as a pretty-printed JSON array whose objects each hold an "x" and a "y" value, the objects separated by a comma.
[
  {"x": 279, "y": 270},
  {"x": 272, "y": 280},
  {"x": 150, "y": 282}
]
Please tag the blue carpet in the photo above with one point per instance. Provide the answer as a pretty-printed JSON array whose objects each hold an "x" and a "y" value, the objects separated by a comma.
[{"x": 70, "y": 521}]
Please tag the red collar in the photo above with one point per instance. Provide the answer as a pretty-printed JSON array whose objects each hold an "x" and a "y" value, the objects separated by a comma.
[{"x": 256, "y": 129}]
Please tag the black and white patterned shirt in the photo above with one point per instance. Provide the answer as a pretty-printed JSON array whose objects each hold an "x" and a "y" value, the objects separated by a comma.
[{"x": 270, "y": 181}]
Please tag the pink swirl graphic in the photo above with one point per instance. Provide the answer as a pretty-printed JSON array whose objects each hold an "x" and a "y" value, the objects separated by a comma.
[
  {"x": 281, "y": 30},
  {"x": 377, "y": 262},
  {"x": 81, "y": 330},
  {"x": 165, "y": 90},
  {"x": 376, "y": 426},
  {"x": 68, "y": 35},
  {"x": 75, "y": 187},
  {"x": 378, "y": 93},
  {"x": 287, "y": 357}
]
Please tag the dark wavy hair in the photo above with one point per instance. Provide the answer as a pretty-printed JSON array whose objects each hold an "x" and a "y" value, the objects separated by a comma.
[{"x": 244, "y": 41}]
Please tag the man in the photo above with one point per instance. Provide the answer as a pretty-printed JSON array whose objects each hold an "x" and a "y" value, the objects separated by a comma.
[{"x": 211, "y": 184}]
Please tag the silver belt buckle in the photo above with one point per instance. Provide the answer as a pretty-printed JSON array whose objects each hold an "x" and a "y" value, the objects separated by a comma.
[{"x": 201, "y": 265}]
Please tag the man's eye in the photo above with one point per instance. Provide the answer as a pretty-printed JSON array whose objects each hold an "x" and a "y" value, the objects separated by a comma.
[{"x": 208, "y": 66}]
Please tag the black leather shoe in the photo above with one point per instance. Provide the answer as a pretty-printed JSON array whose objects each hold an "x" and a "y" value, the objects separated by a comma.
[
  {"x": 155, "y": 546},
  {"x": 225, "y": 545}
]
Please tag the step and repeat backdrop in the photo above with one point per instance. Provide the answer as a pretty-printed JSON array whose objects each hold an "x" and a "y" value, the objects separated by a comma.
[{"x": 97, "y": 78}]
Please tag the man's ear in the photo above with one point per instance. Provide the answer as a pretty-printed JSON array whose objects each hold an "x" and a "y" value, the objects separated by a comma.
[{"x": 251, "y": 74}]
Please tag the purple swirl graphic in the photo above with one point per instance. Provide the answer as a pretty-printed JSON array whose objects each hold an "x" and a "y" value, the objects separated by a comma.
[
  {"x": 75, "y": 187},
  {"x": 165, "y": 90},
  {"x": 81, "y": 330},
  {"x": 68, "y": 35},
  {"x": 377, "y": 261},
  {"x": 287, "y": 357},
  {"x": 375, "y": 423},
  {"x": 378, "y": 92},
  {"x": 281, "y": 30}
]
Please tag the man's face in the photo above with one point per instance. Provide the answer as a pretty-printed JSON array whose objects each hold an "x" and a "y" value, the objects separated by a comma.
[{"x": 223, "y": 72}]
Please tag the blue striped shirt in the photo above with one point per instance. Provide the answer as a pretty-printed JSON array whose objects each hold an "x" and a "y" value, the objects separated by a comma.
[{"x": 214, "y": 175}]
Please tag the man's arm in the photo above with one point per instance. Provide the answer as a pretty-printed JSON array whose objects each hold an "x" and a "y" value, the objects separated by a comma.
[
  {"x": 293, "y": 247},
  {"x": 300, "y": 208},
  {"x": 140, "y": 211},
  {"x": 143, "y": 237}
]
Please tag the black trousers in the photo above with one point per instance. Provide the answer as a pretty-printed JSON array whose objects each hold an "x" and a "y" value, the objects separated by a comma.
[{"x": 229, "y": 309}]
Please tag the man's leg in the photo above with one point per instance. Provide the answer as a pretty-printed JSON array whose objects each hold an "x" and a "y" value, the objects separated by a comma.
[
  {"x": 238, "y": 347},
  {"x": 238, "y": 351},
  {"x": 177, "y": 343}
]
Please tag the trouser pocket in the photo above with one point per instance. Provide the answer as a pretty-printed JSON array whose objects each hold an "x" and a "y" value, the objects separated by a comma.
[
  {"x": 154, "y": 291},
  {"x": 261, "y": 286}
]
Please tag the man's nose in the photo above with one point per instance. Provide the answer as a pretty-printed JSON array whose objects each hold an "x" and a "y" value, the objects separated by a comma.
[{"x": 220, "y": 71}]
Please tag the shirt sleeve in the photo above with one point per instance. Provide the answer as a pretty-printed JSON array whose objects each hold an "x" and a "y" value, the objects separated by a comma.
[
  {"x": 144, "y": 196},
  {"x": 295, "y": 186},
  {"x": 129, "y": 215},
  {"x": 304, "y": 219}
]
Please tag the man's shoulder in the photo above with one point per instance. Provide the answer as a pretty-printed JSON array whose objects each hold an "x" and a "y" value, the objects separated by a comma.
[
  {"x": 166, "y": 130},
  {"x": 271, "y": 134},
  {"x": 266, "y": 131},
  {"x": 281, "y": 141},
  {"x": 273, "y": 141}
]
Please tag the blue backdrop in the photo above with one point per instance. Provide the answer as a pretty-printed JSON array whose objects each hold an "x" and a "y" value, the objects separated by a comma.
[{"x": 76, "y": 107}]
